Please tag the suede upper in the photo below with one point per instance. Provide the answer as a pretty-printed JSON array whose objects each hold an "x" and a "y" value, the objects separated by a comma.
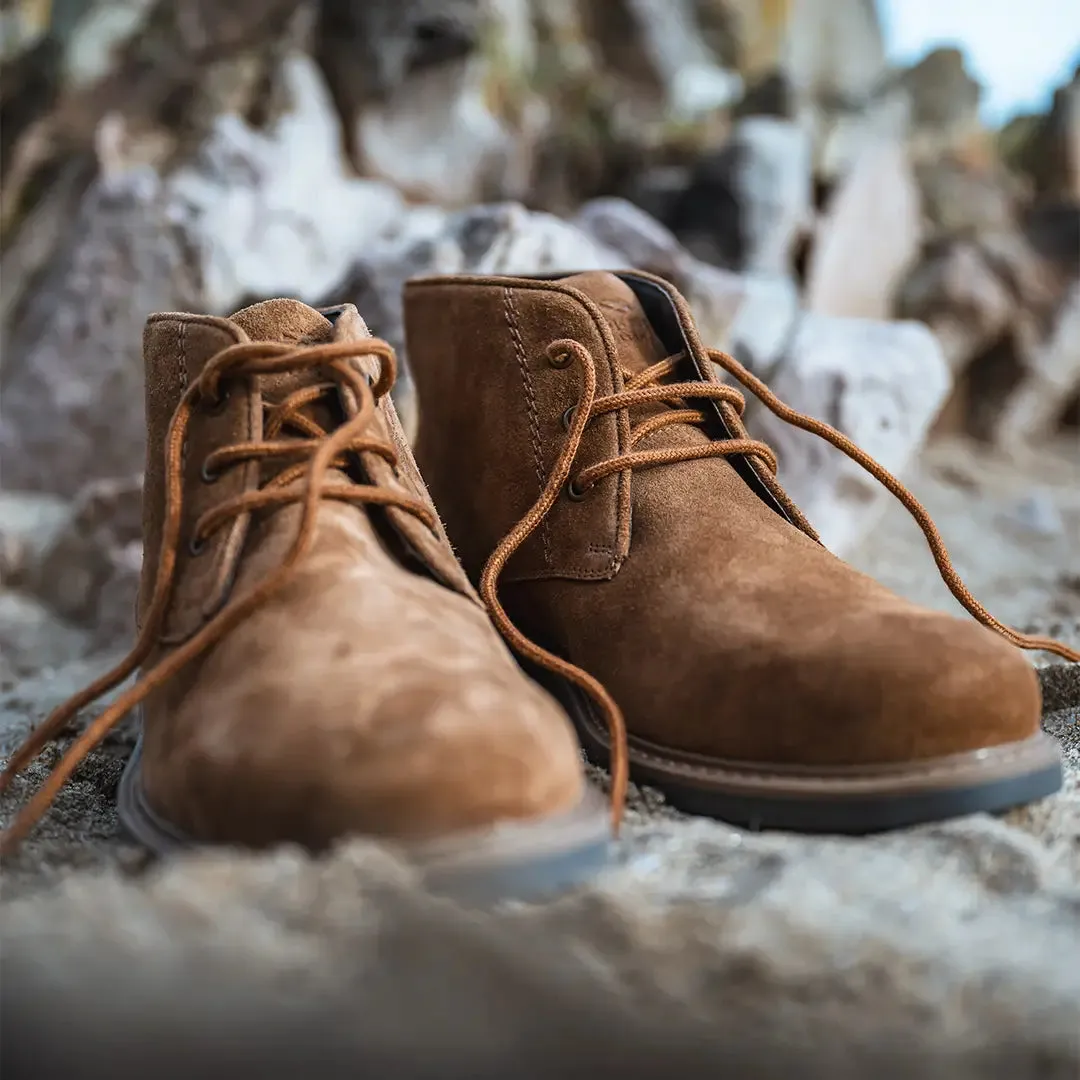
[
  {"x": 694, "y": 591},
  {"x": 368, "y": 694}
]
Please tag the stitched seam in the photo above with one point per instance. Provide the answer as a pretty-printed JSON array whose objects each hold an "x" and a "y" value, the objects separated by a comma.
[
  {"x": 531, "y": 407},
  {"x": 166, "y": 629},
  {"x": 573, "y": 574},
  {"x": 181, "y": 344}
]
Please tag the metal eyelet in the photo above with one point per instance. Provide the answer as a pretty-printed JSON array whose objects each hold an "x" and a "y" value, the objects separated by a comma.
[
  {"x": 568, "y": 417},
  {"x": 208, "y": 475},
  {"x": 562, "y": 359},
  {"x": 196, "y": 547},
  {"x": 573, "y": 492}
]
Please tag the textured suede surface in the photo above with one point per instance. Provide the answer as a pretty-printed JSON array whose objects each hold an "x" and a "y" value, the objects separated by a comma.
[
  {"x": 369, "y": 695},
  {"x": 720, "y": 626}
]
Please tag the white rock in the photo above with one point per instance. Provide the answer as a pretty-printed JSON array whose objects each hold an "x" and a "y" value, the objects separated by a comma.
[
  {"x": 255, "y": 213},
  {"x": 695, "y": 84},
  {"x": 834, "y": 49},
  {"x": 70, "y": 408},
  {"x": 275, "y": 213},
  {"x": 844, "y": 136},
  {"x": 30, "y": 522},
  {"x": 751, "y": 314},
  {"x": 768, "y": 316},
  {"x": 101, "y": 31},
  {"x": 508, "y": 239},
  {"x": 869, "y": 237},
  {"x": 89, "y": 574},
  {"x": 881, "y": 384},
  {"x": 643, "y": 241},
  {"x": 436, "y": 139},
  {"x": 773, "y": 183},
  {"x": 1037, "y": 514},
  {"x": 717, "y": 298},
  {"x": 834, "y": 60},
  {"x": 961, "y": 297},
  {"x": 1052, "y": 377},
  {"x": 32, "y": 637}
]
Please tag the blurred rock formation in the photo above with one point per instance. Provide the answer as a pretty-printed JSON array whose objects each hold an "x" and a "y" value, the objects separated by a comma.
[{"x": 850, "y": 231}]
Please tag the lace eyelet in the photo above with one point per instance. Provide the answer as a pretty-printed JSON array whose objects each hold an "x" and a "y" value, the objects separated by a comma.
[
  {"x": 208, "y": 475},
  {"x": 568, "y": 417},
  {"x": 216, "y": 408},
  {"x": 574, "y": 493},
  {"x": 196, "y": 546},
  {"x": 561, "y": 359}
]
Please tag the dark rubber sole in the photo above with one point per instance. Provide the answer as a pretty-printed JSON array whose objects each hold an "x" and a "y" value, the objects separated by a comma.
[
  {"x": 527, "y": 860},
  {"x": 844, "y": 800}
]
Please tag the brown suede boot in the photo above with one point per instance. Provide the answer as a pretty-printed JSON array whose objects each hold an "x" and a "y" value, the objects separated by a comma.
[
  {"x": 314, "y": 660},
  {"x": 634, "y": 547}
]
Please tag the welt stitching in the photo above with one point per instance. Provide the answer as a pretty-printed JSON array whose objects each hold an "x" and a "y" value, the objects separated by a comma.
[
  {"x": 169, "y": 622},
  {"x": 181, "y": 344},
  {"x": 530, "y": 402}
]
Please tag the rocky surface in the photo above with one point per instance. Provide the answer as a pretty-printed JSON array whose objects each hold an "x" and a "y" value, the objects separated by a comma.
[
  {"x": 951, "y": 949},
  {"x": 770, "y": 150},
  {"x": 330, "y": 149},
  {"x": 771, "y": 138}
]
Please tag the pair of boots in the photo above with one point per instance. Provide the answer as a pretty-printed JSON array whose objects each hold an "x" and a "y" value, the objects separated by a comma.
[{"x": 316, "y": 661}]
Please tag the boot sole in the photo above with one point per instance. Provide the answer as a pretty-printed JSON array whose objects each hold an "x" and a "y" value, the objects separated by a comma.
[
  {"x": 853, "y": 800},
  {"x": 511, "y": 860}
]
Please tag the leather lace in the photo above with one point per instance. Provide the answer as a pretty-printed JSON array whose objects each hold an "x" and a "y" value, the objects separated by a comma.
[
  {"x": 646, "y": 387},
  {"x": 309, "y": 457}
]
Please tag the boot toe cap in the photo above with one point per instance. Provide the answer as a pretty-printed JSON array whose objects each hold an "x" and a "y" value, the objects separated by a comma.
[
  {"x": 880, "y": 688},
  {"x": 911, "y": 686},
  {"x": 423, "y": 754}
]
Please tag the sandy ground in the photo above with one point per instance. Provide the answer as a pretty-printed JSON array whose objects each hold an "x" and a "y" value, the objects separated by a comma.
[{"x": 950, "y": 950}]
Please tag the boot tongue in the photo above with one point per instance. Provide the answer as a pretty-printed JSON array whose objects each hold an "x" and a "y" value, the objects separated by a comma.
[
  {"x": 638, "y": 345},
  {"x": 287, "y": 321},
  {"x": 294, "y": 323}
]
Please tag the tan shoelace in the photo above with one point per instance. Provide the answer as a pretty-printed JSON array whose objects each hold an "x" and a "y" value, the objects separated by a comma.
[
  {"x": 318, "y": 451},
  {"x": 645, "y": 388},
  {"x": 324, "y": 452}
]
